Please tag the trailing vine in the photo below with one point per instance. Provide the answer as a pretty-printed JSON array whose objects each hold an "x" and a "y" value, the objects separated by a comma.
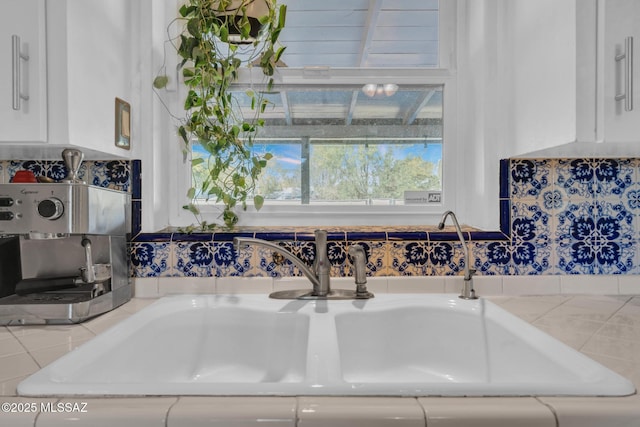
[{"x": 218, "y": 37}]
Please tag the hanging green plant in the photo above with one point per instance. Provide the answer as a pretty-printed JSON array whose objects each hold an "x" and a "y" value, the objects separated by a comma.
[{"x": 213, "y": 46}]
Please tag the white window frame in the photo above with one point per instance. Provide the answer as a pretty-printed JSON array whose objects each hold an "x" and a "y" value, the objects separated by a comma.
[{"x": 312, "y": 215}]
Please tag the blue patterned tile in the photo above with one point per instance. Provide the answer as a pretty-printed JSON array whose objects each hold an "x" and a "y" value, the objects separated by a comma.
[
  {"x": 136, "y": 179},
  {"x": 136, "y": 217},
  {"x": 270, "y": 236},
  {"x": 114, "y": 174},
  {"x": 331, "y": 235},
  {"x": 151, "y": 259},
  {"x": 632, "y": 196},
  {"x": 225, "y": 236},
  {"x": 504, "y": 179},
  {"x": 407, "y": 235},
  {"x": 208, "y": 259},
  {"x": 529, "y": 177},
  {"x": 52, "y": 169},
  {"x": 505, "y": 217},
  {"x": 153, "y": 237},
  {"x": 591, "y": 178},
  {"x": 364, "y": 235},
  {"x": 448, "y": 236},
  {"x": 192, "y": 237},
  {"x": 193, "y": 259},
  {"x": 421, "y": 258},
  {"x": 528, "y": 252},
  {"x": 596, "y": 238}
]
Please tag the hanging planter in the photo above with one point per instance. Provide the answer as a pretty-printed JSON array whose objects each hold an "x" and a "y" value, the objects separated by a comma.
[
  {"x": 209, "y": 47},
  {"x": 243, "y": 18}
]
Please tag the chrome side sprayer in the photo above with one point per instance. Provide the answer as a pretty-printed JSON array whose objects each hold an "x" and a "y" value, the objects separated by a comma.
[{"x": 467, "y": 291}]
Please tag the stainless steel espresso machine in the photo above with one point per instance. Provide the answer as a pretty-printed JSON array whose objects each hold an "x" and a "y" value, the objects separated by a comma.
[{"x": 63, "y": 250}]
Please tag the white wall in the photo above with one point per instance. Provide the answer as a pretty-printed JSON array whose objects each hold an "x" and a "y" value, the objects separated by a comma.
[
  {"x": 86, "y": 70},
  {"x": 517, "y": 90}
]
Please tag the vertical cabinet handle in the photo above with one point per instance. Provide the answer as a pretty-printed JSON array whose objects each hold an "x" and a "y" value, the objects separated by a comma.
[
  {"x": 627, "y": 56},
  {"x": 16, "y": 58}
]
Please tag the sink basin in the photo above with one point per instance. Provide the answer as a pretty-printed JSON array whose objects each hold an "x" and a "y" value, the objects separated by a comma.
[
  {"x": 462, "y": 348},
  {"x": 392, "y": 345},
  {"x": 189, "y": 344},
  {"x": 409, "y": 345}
]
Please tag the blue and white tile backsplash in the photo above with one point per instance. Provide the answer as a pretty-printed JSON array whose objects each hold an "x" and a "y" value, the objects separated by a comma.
[{"x": 558, "y": 217}]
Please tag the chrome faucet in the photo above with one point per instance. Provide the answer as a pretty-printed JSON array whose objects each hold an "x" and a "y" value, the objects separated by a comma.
[
  {"x": 318, "y": 275},
  {"x": 467, "y": 290}
]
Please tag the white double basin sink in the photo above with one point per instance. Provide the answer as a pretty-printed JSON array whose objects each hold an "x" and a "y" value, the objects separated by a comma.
[{"x": 391, "y": 345}]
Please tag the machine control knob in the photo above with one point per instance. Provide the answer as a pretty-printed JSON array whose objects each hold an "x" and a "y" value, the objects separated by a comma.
[{"x": 51, "y": 208}]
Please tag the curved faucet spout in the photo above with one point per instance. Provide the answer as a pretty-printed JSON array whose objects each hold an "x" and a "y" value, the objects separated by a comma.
[
  {"x": 467, "y": 292},
  {"x": 246, "y": 241}
]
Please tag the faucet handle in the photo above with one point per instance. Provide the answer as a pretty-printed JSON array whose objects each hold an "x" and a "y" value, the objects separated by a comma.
[{"x": 321, "y": 260}]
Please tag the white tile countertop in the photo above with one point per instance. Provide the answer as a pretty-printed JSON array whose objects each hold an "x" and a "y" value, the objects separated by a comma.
[{"x": 605, "y": 328}]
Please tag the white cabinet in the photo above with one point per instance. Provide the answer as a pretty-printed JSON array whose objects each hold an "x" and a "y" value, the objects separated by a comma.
[
  {"x": 80, "y": 60},
  {"x": 23, "y": 90},
  {"x": 621, "y": 19}
]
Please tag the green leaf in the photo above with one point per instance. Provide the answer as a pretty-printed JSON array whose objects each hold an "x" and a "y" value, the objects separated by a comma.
[
  {"x": 197, "y": 161},
  {"x": 279, "y": 53},
  {"x": 224, "y": 34},
  {"x": 183, "y": 134},
  {"x": 282, "y": 15},
  {"x": 191, "y": 193},
  {"x": 160, "y": 82},
  {"x": 258, "y": 201},
  {"x": 194, "y": 27},
  {"x": 192, "y": 208},
  {"x": 230, "y": 218}
]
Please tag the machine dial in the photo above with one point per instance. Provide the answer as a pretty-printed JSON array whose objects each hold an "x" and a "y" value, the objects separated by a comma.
[{"x": 51, "y": 208}]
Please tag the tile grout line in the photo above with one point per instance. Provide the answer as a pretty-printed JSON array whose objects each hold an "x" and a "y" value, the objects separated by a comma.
[{"x": 605, "y": 323}]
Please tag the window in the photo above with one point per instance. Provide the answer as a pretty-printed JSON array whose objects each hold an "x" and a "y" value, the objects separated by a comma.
[
  {"x": 341, "y": 146},
  {"x": 344, "y": 156}
]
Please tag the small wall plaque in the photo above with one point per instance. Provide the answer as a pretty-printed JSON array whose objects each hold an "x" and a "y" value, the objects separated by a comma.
[
  {"x": 422, "y": 197},
  {"x": 123, "y": 124}
]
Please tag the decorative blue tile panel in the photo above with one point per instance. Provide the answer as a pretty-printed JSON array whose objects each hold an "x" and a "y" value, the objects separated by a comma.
[
  {"x": 114, "y": 174},
  {"x": 557, "y": 216}
]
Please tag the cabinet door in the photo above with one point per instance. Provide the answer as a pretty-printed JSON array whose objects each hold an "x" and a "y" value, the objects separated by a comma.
[
  {"x": 23, "y": 94},
  {"x": 622, "y": 20}
]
